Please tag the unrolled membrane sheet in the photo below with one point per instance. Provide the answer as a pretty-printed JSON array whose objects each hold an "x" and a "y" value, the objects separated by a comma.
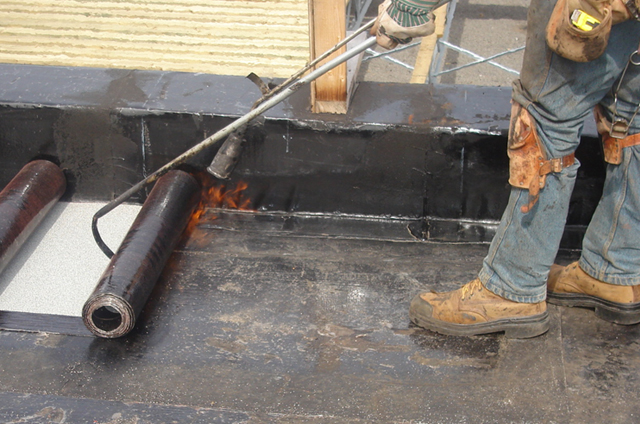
[{"x": 58, "y": 267}]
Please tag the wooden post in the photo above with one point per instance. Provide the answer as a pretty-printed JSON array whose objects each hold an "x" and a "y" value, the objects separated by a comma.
[
  {"x": 427, "y": 47},
  {"x": 327, "y": 26}
]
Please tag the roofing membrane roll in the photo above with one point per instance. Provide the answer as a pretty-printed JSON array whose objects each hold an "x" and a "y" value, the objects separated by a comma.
[
  {"x": 124, "y": 287},
  {"x": 25, "y": 201}
]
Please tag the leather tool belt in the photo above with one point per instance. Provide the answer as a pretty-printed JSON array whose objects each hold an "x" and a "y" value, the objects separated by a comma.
[
  {"x": 528, "y": 163},
  {"x": 613, "y": 141}
]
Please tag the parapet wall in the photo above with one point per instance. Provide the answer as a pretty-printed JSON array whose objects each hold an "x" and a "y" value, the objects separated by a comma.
[{"x": 432, "y": 154}]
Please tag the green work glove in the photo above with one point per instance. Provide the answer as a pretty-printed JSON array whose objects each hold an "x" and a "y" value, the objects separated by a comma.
[{"x": 399, "y": 21}]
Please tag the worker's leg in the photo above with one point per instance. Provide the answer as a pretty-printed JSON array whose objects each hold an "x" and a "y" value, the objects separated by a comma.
[
  {"x": 607, "y": 277},
  {"x": 559, "y": 98},
  {"x": 611, "y": 247},
  {"x": 525, "y": 246}
]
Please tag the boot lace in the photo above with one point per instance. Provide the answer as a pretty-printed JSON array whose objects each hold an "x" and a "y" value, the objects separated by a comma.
[{"x": 470, "y": 288}]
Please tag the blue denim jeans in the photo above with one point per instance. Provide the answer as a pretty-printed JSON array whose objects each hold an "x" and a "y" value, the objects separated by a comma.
[{"x": 560, "y": 94}]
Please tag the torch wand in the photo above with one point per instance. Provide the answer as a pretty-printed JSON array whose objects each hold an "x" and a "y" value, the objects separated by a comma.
[{"x": 268, "y": 100}]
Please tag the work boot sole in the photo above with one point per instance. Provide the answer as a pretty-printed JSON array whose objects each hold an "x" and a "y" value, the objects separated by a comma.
[
  {"x": 513, "y": 328},
  {"x": 619, "y": 313}
]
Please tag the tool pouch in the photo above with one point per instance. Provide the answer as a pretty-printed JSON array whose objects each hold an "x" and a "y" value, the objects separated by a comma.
[
  {"x": 528, "y": 164},
  {"x": 571, "y": 42},
  {"x": 614, "y": 139}
]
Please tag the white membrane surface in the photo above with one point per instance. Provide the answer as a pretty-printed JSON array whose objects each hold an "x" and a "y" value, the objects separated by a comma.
[{"x": 60, "y": 264}]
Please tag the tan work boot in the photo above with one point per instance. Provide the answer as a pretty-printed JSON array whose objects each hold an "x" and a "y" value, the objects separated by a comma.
[
  {"x": 571, "y": 286},
  {"x": 472, "y": 309}
]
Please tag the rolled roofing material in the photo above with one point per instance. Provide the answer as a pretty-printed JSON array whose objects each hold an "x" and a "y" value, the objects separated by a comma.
[
  {"x": 25, "y": 201},
  {"x": 113, "y": 307}
]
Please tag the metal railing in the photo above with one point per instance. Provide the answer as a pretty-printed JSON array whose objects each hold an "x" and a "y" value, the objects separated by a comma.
[
  {"x": 356, "y": 10},
  {"x": 387, "y": 55},
  {"x": 443, "y": 44}
]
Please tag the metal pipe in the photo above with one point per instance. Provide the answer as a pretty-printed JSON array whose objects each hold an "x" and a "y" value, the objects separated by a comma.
[
  {"x": 221, "y": 134},
  {"x": 227, "y": 157},
  {"x": 25, "y": 201},
  {"x": 316, "y": 61},
  {"x": 124, "y": 287}
]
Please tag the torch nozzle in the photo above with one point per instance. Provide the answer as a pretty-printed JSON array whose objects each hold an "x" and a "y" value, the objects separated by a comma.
[{"x": 227, "y": 157}]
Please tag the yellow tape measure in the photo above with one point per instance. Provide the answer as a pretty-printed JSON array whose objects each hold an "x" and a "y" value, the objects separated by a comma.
[{"x": 583, "y": 21}]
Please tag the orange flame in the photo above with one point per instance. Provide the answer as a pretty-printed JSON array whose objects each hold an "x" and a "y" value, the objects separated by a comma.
[
  {"x": 215, "y": 195},
  {"x": 218, "y": 196}
]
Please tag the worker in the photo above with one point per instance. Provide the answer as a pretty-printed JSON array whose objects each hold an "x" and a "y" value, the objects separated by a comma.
[{"x": 581, "y": 57}]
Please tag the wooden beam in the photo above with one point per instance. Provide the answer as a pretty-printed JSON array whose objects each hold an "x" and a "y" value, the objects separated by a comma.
[
  {"x": 427, "y": 47},
  {"x": 327, "y": 26}
]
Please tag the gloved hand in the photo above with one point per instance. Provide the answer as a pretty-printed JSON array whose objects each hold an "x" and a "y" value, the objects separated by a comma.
[{"x": 399, "y": 22}]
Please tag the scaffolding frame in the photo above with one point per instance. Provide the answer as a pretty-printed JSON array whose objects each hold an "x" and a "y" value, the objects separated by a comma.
[{"x": 356, "y": 10}]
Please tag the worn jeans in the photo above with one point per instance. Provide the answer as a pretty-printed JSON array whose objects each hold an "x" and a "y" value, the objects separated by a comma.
[{"x": 560, "y": 94}]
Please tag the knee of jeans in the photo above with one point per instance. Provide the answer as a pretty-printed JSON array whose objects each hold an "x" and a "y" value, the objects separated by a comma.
[
  {"x": 557, "y": 139},
  {"x": 564, "y": 180}
]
